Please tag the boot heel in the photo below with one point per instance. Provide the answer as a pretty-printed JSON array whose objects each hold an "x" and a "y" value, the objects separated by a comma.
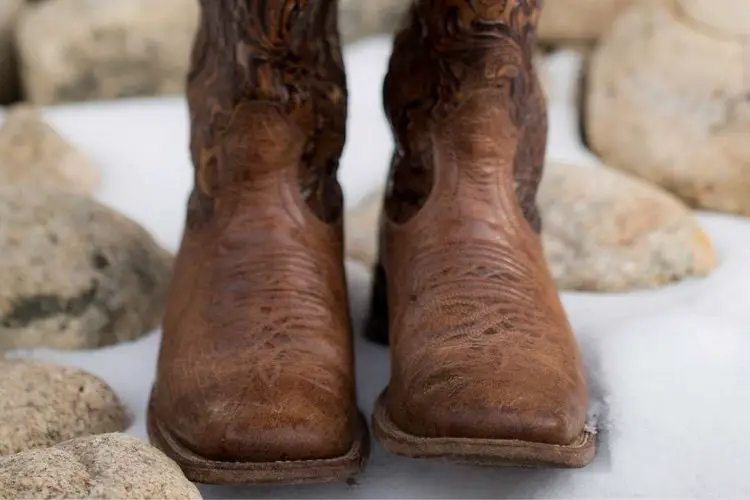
[{"x": 376, "y": 329}]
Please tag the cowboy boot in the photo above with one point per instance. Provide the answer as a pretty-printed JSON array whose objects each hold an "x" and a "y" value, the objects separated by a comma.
[
  {"x": 484, "y": 366},
  {"x": 255, "y": 378}
]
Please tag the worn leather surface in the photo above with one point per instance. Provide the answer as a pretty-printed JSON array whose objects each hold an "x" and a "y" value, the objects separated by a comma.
[
  {"x": 480, "y": 344},
  {"x": 256, "y": 356}
]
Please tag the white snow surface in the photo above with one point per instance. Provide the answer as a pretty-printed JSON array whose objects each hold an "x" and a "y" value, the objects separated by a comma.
[{"x": 669, "y": 369}]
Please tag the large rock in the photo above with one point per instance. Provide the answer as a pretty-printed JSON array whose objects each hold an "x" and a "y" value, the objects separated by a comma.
[
  {"x": 607, "y": 231},
  {"x": 9, "y": 11},
  {"x": 361, "y": 18},
  {"x": 31, "y": 150},
  {"x": 603, "y": 231},
  {"x": 44, "y": 404},
  {"x": 74, "y": 50},
  {"x": 668, "y": 99},
  {"x": 565, "y": 21},
  {"x": 75, "y": 273},
  {"x": 107, "y": 466}
]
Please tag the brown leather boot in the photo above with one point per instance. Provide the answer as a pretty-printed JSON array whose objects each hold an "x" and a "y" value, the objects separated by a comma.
[
  {"x": 484, "y": 366},
  {"x": 255, "y": 379}
]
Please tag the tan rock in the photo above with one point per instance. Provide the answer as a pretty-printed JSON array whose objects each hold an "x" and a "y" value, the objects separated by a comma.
[
  {"x": 668, "y": 100},
  {"x": 43, "y": 404},
  {"x": 76, "y": 274},
  {"x": 361, "y": 230},
  {"x": 359, "y": 19},
  {"x": 603, "y": 231},
  {"x": 607, "y": 231},
  {"x": 112, "y": 466},
  {"x": 565, "y": 21},
  {"x": 31, "y": 150},
  {"x": 75, "y": 50},
  {"x": 9, "y": 11},
  {"x": 726, "y": 17}
]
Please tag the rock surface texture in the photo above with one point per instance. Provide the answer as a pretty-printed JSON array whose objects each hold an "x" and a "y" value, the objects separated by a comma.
[
  {"x": 606, "y": 231},
  {"x": 9, "y": 12},
  {"x": 602, "y": 230},
  {"x": 75, "y": 274},
  {"x": 362, "y": 18},
  {"x": 44, "y": 404},
  {"x": 31, "y": 150},
  {"x": 565, "y": 21},
  {"x": 668, "y": 99},
  {"x": 75, "y": 50},
  {"x": 115, "y": 466}
]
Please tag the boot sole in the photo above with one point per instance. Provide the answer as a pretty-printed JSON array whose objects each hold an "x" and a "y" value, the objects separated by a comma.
[
  {"x": 494, "y": 452},
  {"x": 202, "y": 470}
]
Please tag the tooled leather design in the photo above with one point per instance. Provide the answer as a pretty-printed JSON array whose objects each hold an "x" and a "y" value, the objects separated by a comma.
[
  {"x": 480, "y": 344},
  {"x": 282, "y": 51},
  {"x": 451, "y": 48},
  {"x": 256, "y": 356}
]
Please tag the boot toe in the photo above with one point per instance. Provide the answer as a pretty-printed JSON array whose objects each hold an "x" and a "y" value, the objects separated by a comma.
[
  {"x": 528, "y": 407},
  {"x": 504, "y": 422},
  {"x": 300, "y": 426}
]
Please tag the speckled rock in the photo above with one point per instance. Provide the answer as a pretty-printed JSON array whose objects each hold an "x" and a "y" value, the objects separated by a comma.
[
  {"x": 361, "y": 18},
  {"x": 75, "y": 274},
  {"x": 44, "y": 404},
  {"x": 603, "y": 231},
  {"x": 566, "y": 21},
  {"x": 31, "y": 150},
  {"x": 74, "y": 50},
  {"x": 607, "y": 231},
  {"x": 668, "y": 100},
  {"x": 9, "y": 11},
  {"x": 112, "y": 466}
]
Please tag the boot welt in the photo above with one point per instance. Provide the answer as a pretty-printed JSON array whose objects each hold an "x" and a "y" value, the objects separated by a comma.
[
  {"x": 494, "y": 452},
  {"x": 205, "y": 471}
]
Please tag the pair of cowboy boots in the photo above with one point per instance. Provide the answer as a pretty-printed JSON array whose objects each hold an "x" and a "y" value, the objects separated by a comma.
[{"x": 255, "y": 379}]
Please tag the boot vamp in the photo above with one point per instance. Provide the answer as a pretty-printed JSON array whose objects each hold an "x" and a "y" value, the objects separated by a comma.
[
  {"x": 256, "y": 359},
  {"x": 481, "y": 345}
]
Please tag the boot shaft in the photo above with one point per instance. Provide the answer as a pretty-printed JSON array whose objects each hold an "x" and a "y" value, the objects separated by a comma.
[
  {"x": 266, "y": 93},
  {"x": 452, "y": 52},
  {"x": 462, "y": 24}
]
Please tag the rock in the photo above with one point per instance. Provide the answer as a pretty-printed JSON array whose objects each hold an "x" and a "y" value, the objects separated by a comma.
[
  {"x": 607, "y": 231},
  {"x": 361, "y": 229},
  {"x": 360, "y": 19},
  {"x": 31, "y": 150},
  {"x": 9, "y": 11},
  {"x": 565, "y": 21},
  {"x": 603, "y": 231},
  {"x": 76, "y": 50},
  {"x": 106, "y": 466},
  {"x": 668, "y": 100},
  {"x": 76, "y": 274},
  {"x": 44, "y": 404}
]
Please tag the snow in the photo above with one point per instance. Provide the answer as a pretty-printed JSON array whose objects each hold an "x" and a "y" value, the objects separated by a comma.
[{"x": 668, "y": 368}]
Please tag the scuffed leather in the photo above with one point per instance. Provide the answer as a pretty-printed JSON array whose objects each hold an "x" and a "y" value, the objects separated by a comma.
[
  {"x": 256, "y": 358},
  {"x": 480, "y": 344}
]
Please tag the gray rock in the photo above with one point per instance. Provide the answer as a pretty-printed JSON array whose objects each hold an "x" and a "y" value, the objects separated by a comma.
[
  {"x": 603, "y": 231},
  {"x": 75, "y": 274},
  {"x": 112, "y": 466},
  {"x": 9, "y": 11},
  {"x": 31, "y": 150},
  {"x": 44, "y": 404},
  {"x": 74, "y": 50},
  {"x": 668, "y": 100}
]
